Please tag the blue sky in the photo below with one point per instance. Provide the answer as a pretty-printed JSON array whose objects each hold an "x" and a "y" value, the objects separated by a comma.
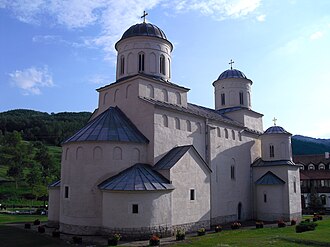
[{"x": 55, "y": 53}]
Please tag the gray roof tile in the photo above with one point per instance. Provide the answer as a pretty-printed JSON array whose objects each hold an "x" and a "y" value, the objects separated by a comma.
[
  {"x": 111, "y": 125},
  {"x": 260, "y": 162},
  {"x": 269, "y": 179},
  {"x": 139, "y": 177}
]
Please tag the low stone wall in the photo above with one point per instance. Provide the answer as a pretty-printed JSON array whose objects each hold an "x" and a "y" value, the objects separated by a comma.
[
  {"x": 79, "y": 230},
  {"x": 133, "y": 233},
  {"x": 223, "y": 219},
  {"x": 53, "y": 224}
]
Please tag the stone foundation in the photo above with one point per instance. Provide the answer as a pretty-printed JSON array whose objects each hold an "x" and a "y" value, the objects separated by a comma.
[
  {"x": 142, "y": 233},
  {"x": 53, "y": 224},
  {"x": 223, "y": 219}
]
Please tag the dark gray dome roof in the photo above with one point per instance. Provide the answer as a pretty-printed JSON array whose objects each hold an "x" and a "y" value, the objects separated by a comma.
[
  {"x": 232, "y": 73},
  {"x": 144, "y": 29},
  {"x": 276, "y": 130}
]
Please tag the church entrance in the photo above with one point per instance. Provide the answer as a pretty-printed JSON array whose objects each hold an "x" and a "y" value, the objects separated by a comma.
[{"x": 239, "y": 211}]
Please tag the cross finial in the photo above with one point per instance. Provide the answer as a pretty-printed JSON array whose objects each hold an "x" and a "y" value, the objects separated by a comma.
[
  {"x": 231, "y": 63},
  {"x": 144, "y": 16},
  {"x": 274, "y": 120}
]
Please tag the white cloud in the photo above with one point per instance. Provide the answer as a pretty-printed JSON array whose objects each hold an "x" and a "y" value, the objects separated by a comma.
[
  {"x": 219, "y": 9},
  {"x": 261, "y": 18},
  {"x": 114, "y": 16},
  {"x": 316, "y": 35},
  {"x": 30, "y": 80},
  {"x": 100, "y": 79}
]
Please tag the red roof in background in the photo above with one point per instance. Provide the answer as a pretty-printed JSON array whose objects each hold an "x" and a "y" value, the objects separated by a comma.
[
  {"x": 314, "y": 174},
  {"x": 307, "y": 159}
]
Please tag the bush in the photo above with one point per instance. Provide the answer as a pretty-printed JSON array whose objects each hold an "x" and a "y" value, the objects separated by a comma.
[
  {"x": 281, "y": 223},
  {"x": 41, "y": 229},
  {"x": 36, "y": 222},
  {"x": 293, "y": 222},
  {"x": 259, "y": 224},
  {"x": 235, "y": 225},
  {"x": 305, "y": 226},
  {"x": 180, "y": 234},
  {"x": 154, "y": 240},
  {"x": 201, "y": 231},
  {"x": 218, "y": 228}
]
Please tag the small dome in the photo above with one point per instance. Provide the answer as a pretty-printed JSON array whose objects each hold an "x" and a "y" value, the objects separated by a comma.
[
  {"x": 232, "y": 73},
  {"x": 276, "y": 130},
  {"x": 144, "y": 29}
]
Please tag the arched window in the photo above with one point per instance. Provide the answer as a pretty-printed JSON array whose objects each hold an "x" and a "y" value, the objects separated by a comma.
[
  {"x": 241, "y": 98},
  {"x": 226, "y": 133},
  {"x": 232, "y": 169},
  {"x": 218, "y": 132},
  {"x": 265, "y": 197},
  {"x": 249, "y": 99},
  {"x": 321, "y": 166},
  {"x": 79, "y": 153},
  {"x": 105, "y": 98},
  {"x": 294, "y": 185},
  {"x": 165, "y": 95},
  {"x": 136, "y": 154},
  {"x": 178, "y": 98},
  {"x": 152, "y": 62},
  {"x": 223, "y": 99},
  {"x": 97, "y": 153},
  {"x": 271, "y": 151},
  {"x": 66, "y": 153},
  {"x": 117, "y": 153},
  {"x": 233, "y": 134},
  {"x": 127, "y": 90},
  {"x": 239, "y": 136},
  {"x": 122, "y": 65},
  {"x": 169, "y": 67},
  {"x": 199, "y": 128},
  {"x": 165, "y": 121},
  {"x": 141, "y": 62},
  {"x": 150, "y": 91},
  {"x": 177, "y": 123},
  {"x": 162, "y": 64},
  {"x": 188, "y": 126},
  {"x": 323, "y": 199},
  {"x": 115, "y": 96},
  {"x": 311, "y": 167}
]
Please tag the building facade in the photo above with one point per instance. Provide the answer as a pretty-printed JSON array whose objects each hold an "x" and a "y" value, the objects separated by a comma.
[{"x": 150, "y": 161}]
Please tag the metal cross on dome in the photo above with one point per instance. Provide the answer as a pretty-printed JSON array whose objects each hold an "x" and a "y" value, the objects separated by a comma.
[
  {"x": 274, "y": 120},
  {"x": 231, "y": 63},
  {"x": 144, "y": 16}
]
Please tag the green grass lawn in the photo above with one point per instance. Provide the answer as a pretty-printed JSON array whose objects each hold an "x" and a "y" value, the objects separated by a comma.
[
  {"x": 265, "y": 237},
  {"x": 11, "y": 218}
]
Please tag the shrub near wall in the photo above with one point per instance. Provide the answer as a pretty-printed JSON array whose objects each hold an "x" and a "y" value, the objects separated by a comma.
[{"x": 305, "y": 226}]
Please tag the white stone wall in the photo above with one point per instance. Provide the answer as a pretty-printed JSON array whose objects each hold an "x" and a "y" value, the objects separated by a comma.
[
  {"x": 227, "y": 191},
  {"x": 84, "y": 166},
  {"x": 54, "y": 204},
  {"x": 190, "y": 174},
  {"x": 248, "y": 118},
  {"x": 154, "y": 209},
  {"x": 152, "y": 48},
  {"x": 168, "y": 137},
  {"x": 231, "y": 87},
  {"x": 285, "y": 195},
  {"x": 282, "y": 147}
]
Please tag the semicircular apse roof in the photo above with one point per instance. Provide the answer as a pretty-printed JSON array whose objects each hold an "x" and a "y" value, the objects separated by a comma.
[
  {"x": 232, "y": 73},
  {"x": 276, "y": 130},
  {"x": 110, "y": 125}
]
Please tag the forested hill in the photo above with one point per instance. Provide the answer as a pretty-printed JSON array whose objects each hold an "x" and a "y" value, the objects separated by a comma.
[
  {"x": 41, "y": 126},
  {"x": 309, "y": 145}
]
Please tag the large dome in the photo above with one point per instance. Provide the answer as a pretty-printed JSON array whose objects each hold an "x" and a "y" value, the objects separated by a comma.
[
  {"x": 232, "y": 73},
  {"x": 144, "y": 29}
]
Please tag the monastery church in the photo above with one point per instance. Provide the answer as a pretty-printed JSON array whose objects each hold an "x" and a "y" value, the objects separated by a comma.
[{"x": 148, "y": 161}]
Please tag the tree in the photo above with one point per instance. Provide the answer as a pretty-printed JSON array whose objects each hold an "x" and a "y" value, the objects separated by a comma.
[
  {"x": 315, "y": 202},
  {"x": 15, "y": 154}
]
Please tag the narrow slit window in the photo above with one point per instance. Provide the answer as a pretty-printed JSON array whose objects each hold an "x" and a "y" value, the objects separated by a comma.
[
  {"x": 66, "y": 192},
  {"x": 223, "y": 101},
  {"x": 162, "y": 64},
  {"x": 122, "y": 65},
  {"x": 241, "y": 99},
  {"x": 271, "y": 151},
  {"x": 141, "y": 62},
  {"x": 135, "y": 208},
  {"x": 265, "y": 198},
  {"x": 192, "y": 194}
]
